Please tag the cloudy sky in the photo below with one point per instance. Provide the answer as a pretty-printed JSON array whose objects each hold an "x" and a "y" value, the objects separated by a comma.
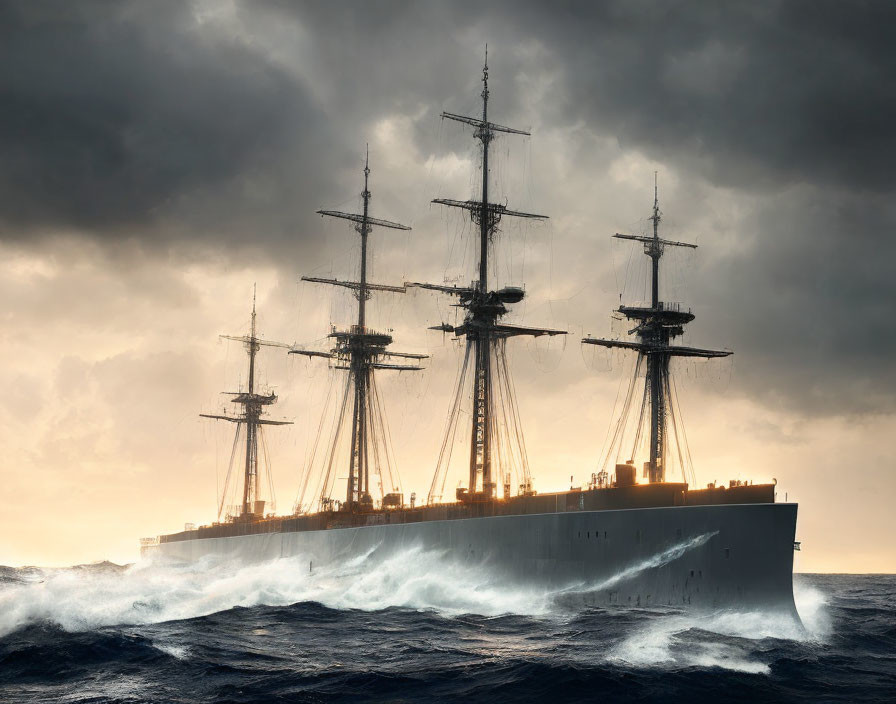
[{"x": 159, "y": 159}]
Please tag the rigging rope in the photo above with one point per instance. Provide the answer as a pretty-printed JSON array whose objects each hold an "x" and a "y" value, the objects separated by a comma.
[
  {"x": 236, "y": 440},
  {"x": 323, "y": 489},
  {"x": 618, "y": 432},
  {"x": 691, "y": 472},
  {"x": 450, "y": 430},
  {"x": 309, "y": 464},
  {"x": 267, "y": 467},
  {"x": 645, "y": 402},
  {"x": 515, "y": 415}
]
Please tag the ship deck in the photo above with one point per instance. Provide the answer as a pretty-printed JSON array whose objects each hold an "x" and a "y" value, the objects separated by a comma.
[{"x": 658, "y": 495}]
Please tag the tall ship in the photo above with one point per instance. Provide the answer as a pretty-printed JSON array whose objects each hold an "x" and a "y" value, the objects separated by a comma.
[{"x": 619, "y": 540}]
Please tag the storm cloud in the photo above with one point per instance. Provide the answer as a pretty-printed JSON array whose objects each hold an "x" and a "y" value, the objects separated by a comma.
[
  {"x": 152, "y": 151},
  {"x": 124, "y": 120}
]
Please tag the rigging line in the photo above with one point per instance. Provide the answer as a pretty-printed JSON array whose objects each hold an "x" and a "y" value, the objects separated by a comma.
[
  {"x": 501, "y": 460},
  {"x": 645, "y": 401},
  {"x": 236, "y": 439},
  {"x": 607, "y": 448},
  {"x": 681, "y": 464},
  {"x": 514, "y": 464},
  {"x": 450, "y": 430},
  {"x": 687, "y": 447},
  {"x": 383, "y": 458},
  {"x": 310, "y": 461},
  {"x": 454, "y": 417},
  {"x": 505, "y": 445},
  {"x": 267, "y": 467},
  {"x": 517, "y": 424},
  {"x": 520, "y": 458},
  {"x": 342, "y": 421},
  {"x": 616, "y": 441},
  {"x": 233, "y": 492},
  {"x": 394, "y": 472},
  {"x": 624, "y": 418},
  {"x": 509, "y": 465},
  {"x": 322, "y": 488},
  {"x": 372, "y": 435},
  {"x": 386, "y": 433}
]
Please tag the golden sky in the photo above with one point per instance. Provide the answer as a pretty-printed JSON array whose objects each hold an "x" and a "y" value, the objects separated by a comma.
[
  {"x": 155, "y": 164},
  {"x": 104, "y": 444}
]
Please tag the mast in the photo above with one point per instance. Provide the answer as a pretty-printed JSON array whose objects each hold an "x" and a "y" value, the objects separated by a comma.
[
  {"x": 480, "y": 442},
  {"x": 365, "y": 231},
  {"x": 360, "y": 351},
  {"x": 657, "y": 361},
  {"x": 657, "y": 326},
  {"x": 485, "y": 336},
  {"x": 485, "y": 136},
  {"x": 251, "y": 473},
  {"x": 253, "y": 405}
]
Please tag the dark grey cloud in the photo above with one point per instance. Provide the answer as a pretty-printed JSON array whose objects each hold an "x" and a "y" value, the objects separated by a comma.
[
  {"x": 144, "y": 120},
  {"x": 806, "y": 305},
  {"x": 114, "y": 111},
  {"x": 747, "y": 94},
  {"x": 131, "y": 119}
]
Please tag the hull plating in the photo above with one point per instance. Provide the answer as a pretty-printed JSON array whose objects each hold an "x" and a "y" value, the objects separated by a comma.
[{"x": 726, "y": 556}]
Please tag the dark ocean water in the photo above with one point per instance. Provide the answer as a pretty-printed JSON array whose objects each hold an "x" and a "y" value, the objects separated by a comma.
[{"x": 413, "y": 630}]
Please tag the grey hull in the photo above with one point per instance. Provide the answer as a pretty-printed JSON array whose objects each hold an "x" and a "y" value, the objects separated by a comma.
[{"x": 721, "y": 556}]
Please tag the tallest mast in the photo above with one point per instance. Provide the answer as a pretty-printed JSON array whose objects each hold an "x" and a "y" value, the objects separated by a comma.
[
  {"x": 485, "y": 336},
  {"x": 480, "y": 442}
]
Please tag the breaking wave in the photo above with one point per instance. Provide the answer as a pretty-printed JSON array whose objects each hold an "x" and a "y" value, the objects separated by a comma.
[
  {"x": 150, "y": 592},
  {"x": 680, "y": 640},
  {"x": 416, "y": 626}
]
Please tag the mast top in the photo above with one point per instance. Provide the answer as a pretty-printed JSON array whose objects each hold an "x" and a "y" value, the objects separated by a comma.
[
  {"x": 363, "y": 219},
  {"x": 364, "y": 225},
  {"x": 485, "y": 76},
  {"x": 254, "y": 286}
]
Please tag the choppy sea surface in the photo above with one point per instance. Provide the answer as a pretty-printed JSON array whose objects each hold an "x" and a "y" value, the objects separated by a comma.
[{"x": 413, "y": 628}]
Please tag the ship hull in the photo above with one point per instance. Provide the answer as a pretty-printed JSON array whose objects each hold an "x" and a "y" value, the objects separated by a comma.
[{"x": 713, "y": 557}]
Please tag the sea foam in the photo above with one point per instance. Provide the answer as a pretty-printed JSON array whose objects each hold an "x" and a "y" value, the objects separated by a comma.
[{"x": 156, "y": 591}]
